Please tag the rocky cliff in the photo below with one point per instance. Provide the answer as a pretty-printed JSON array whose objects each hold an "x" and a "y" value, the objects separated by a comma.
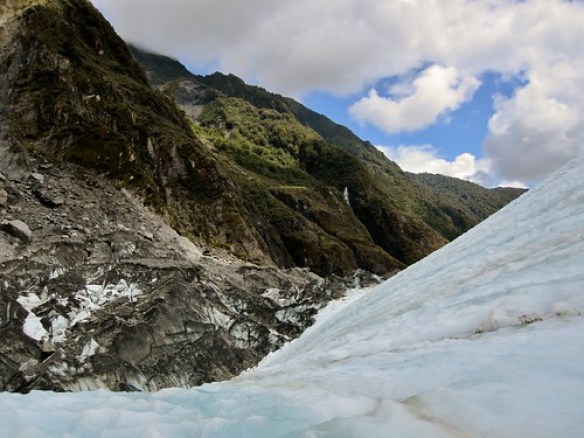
[
  {"x": 99, "y": 292},
  {"x": 74, "y": 94}
]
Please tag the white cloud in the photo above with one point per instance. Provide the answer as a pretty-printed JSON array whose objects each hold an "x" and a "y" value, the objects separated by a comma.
[
  {"x": 347, "y": 46},
  {"x": 436, "y": 91},
  {"x": 341, "y": 45},
  {"x": 541, "y": 127},
  {"x": 426, "y": 159},
  {"x": 514, "y": 184}
]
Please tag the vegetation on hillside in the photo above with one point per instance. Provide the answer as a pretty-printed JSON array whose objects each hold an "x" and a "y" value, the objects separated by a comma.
[
  {"x": 303, "y": 218},
  {"x": 278, "y": 138},
  {"x": 474, "y": 199},
  {"x": 445, "y": 214}
]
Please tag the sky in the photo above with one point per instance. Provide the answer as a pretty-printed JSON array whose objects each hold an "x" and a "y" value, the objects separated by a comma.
[{"x": 487, "y": 90}]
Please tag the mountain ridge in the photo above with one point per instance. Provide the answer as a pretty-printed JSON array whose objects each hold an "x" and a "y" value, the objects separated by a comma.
[{"x": 409, "y": 195}]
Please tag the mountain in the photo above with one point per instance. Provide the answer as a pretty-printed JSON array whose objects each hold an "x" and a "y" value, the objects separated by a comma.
[
  {"x": 76, "y": 95},
  {"x": 484, "y": 337},
  {"x": 403, "y": 214},
  {"x": 144, "y": 247}
]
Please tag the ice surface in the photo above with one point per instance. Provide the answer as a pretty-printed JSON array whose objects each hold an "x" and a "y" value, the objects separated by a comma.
[{"x": 483, "y": 338}]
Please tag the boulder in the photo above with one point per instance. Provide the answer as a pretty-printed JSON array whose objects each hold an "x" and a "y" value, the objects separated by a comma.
[
  {"x": 49, "y": 199},
  {"x": 18, "y": 229},
  {"x": 39, "y": 178}
]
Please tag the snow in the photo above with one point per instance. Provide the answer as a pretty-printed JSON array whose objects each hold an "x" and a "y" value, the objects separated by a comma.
[
  {"x": 482, "y": 338},
  {"x": 59, "y": 327},
  {"x": 33, "y": 327},
  {"x": 88, "y": 350},
  {"x": 274, "y": 296}
]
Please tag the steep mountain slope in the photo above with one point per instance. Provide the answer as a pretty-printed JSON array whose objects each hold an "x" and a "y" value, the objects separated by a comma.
[
  {"x": 485, "y": 337},
  {"x": 400, "y": 198},
  {"x": 315, "y": 198},
  {"x": 445, "y": 214},
  {"x": 75, "y": 94},
  {"x": 317, "y": 186}
]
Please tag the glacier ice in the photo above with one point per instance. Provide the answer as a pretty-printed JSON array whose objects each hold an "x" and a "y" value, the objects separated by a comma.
[{"x": 485, "y": 337}]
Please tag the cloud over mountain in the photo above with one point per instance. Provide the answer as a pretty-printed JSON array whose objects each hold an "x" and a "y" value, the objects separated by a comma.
[
  {"x": 541, "y": 127},
  {"x": 346, "y": 47}
]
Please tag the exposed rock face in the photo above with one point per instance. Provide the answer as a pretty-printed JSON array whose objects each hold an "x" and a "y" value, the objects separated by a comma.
[
  {"x": 71, "y": 92},
  {"x": 109, "y": 296}
]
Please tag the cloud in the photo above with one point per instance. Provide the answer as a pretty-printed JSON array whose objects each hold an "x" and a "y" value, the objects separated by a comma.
[
  {"x": 347, "y": 46},
  {"x": 199, "y": 32},
  {"x": 436, "y": 91},
  {"x": 342, "y": 45},
  {"x": 514, "y": 184},
  {"x": 541, "y": 126},
  {"x": 426, "y": 159}
]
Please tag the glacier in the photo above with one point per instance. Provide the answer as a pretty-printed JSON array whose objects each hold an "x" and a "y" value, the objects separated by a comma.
[{"x": 484, "y": 337}]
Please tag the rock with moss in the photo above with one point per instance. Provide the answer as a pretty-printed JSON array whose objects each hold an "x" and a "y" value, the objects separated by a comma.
[{"x": 77, "y": 95}]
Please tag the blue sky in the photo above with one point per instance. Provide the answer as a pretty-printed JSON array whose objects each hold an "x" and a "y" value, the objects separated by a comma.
[
  {"x": 487, "y": 90},
  {"x": 462, "y": 131}
]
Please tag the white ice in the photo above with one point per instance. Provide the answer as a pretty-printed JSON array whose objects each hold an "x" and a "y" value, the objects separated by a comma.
[
  {"x": 89, "y": 300},
  {"x": 95, "y": 296},
  {"x": 483, "y": 338},
  {"x": 32, "y": 326}
]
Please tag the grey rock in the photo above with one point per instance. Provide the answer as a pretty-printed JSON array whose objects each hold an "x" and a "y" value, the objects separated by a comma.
[
  {"x": 39, "y": 178},
  {"x": 49, "y": 199},
  {"x": 17, "y": 228},
  {"x": 3, "y": 197}
]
